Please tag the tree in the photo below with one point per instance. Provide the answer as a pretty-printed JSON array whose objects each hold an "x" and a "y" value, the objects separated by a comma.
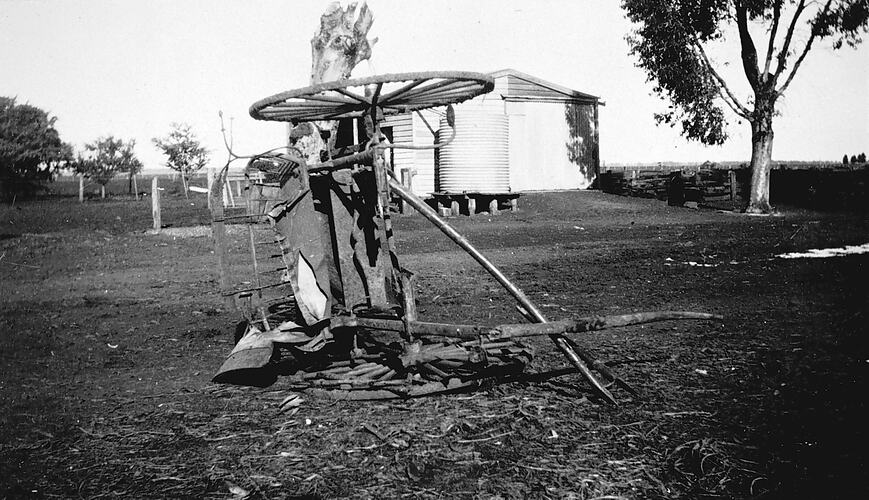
[
  {"x": 336, "y": 48},
  {"x": 183, "y": 151},
  {"x": 672, "y": 42},
  {"x": 845, "y": 160},
  {"x": 30, "y": 146},
  {"x": 105, "y": 158}
]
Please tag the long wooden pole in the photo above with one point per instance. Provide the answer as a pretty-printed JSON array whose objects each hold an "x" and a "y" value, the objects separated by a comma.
[{"x": 519, "y": 330}]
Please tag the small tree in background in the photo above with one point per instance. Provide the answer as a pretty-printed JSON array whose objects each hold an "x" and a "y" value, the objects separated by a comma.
[
  {"x": 183, "y": 151},
  {"x": 861, "y": 158},
  {"x": 30, "y": 146},
  {"x": 854, "y": 159},
  {"x": 845, "y": 160},
  {"x": 105, "y": 158}
]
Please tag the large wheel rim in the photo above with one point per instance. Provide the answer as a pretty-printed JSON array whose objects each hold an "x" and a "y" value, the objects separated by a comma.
[{"x": 392, "y": 93}]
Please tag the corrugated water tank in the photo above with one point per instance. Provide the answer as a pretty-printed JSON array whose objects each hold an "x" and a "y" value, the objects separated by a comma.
[{"x": 478, "y": 158}]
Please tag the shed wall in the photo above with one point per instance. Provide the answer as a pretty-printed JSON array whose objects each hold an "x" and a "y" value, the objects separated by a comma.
[
  {"x": 552, "y": 145},
  {"x": 409, "y": 129}
]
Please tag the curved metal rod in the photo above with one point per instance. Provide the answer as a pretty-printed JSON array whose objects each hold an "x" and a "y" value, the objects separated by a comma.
[{"x": 560, "y": 340}]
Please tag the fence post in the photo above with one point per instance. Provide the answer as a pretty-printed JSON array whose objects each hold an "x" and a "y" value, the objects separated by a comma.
[
  {"x": 155, "y": 204},
  {"x": 733, "y": 185},
  {"x": 136, "y": 187},
  {"x": 81, "y": 188}
]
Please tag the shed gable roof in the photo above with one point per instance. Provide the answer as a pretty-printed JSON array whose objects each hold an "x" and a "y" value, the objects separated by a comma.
[{"x": 522, "y": 86}]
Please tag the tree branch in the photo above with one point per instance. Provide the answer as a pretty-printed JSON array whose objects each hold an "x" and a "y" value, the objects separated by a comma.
[
  {"x": 776, "y": 17},
  {"x": 726, "y": 94},
  {"x": 749, "y": 52},
  {"x": 783, "y": 53},
  {"x": 806, "y": 50}
]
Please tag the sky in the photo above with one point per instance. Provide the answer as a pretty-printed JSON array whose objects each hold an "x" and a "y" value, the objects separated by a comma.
[{"x": 131, "y": 68}]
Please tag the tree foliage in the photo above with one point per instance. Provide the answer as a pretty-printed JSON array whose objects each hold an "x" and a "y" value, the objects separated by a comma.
[
  {"x": 30, "y": 146},
  {"x": 671, "y": 41},
  {"x": 107, "y": 157},
  {"x": 183, "y": 151}
]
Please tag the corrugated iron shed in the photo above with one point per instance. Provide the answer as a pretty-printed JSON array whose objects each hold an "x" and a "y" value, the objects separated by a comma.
[{"x": 553, "y": 134}]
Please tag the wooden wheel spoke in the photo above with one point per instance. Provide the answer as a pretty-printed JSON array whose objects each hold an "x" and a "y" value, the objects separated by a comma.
[
  {"x": 376, "y": 95},
  {"x": 324, "y": 97},
  {"x": 402, "y": 90},
  {"x": 300, "y": 105},
  {"x": 339, "y": 112},
  {"x": 359, "y": 99},
  {"x": 433, "y": 99},
  {"x": 442, "y": 86}
]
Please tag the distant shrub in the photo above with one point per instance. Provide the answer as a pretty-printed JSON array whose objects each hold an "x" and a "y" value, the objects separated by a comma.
[{"x": 845, "y": 160}]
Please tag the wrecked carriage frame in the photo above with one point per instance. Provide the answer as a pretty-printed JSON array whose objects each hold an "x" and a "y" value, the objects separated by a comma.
[{"x": 350, "y": 318}]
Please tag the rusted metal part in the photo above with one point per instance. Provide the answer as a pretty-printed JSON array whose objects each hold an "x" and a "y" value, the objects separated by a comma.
[{"x": 333, "y": 100}]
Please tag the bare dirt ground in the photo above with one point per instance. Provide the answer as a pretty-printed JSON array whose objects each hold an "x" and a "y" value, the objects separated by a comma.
[{"x": 110, "y": 337}]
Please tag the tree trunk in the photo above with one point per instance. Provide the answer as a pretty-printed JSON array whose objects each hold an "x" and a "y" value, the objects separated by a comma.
[
  {"x": 184, "y": 184},
  {"x": 761, "y": 162},
  {"x": 339, "y": 45}
]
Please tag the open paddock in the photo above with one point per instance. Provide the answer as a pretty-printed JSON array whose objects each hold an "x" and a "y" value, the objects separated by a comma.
[{"x": 111, "y": 334}]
